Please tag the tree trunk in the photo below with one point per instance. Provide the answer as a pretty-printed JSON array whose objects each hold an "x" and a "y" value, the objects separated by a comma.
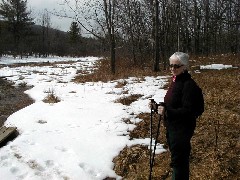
[
  {"x": 109, "y": 9},
  {"x": 157, "y": 49}
]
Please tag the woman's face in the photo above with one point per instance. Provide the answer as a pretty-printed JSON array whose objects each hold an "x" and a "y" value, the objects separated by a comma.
[{"x": 176, "y": 67}]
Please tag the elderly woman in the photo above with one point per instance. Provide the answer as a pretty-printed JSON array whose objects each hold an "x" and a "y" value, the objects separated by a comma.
[{"x": 179, "y": 114}]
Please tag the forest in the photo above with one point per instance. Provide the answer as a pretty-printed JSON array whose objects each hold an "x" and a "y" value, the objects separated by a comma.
[{"x": 143, "y": 31}]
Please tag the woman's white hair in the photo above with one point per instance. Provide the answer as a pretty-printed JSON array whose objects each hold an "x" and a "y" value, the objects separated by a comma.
[{"x": 182, "y": 57}]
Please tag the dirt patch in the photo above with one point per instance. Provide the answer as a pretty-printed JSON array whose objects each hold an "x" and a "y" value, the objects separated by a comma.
[{"x": 12, "y": 99}]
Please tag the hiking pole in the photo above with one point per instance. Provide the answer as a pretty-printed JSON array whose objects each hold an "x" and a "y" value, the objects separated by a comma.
[
  {"x": 155, "y": 145},
  {"x": 150, "y": 148}
]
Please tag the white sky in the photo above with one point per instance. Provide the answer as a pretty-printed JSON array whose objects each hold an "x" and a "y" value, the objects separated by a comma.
[{"x": 38, "y": 7}]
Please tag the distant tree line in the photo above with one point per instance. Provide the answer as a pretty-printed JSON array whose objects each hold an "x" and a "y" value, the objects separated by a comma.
[{"x": 19, "y": 35}]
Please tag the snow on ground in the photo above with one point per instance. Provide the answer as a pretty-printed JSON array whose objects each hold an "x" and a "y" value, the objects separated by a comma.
[
  {"x": 11, "y": 60},
  {"x": 216, "y": 66},
  {"x": 78, "y": 137}
]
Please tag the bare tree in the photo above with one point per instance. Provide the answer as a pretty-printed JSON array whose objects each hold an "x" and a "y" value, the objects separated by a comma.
[
  {"x": 233, "y": 25},
  {"x": 109, "y": 10},
  {"x": 102, "y": 15},
  {"x": 45, "y": 24}
]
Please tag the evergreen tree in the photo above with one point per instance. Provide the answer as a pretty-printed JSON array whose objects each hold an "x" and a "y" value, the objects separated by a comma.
[
  {"x": 17, "y": 17},
  {"x": 74, "y": 33},
  {"x": 75, "y": 39}
]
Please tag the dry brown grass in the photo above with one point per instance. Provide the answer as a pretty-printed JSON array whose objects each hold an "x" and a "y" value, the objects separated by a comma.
[
  {"x": 127, "y": 100},
  {"x": 124, "y": 69},
  {"x": 51, "y": 97},
  {"x": 216, "y": 143}
]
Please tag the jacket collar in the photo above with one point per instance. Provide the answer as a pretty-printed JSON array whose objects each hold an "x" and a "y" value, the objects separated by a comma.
[{"x": 182, "y": 76}]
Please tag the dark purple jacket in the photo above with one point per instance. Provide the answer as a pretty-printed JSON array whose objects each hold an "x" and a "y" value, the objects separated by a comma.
[{"x": 179, "y": 102}]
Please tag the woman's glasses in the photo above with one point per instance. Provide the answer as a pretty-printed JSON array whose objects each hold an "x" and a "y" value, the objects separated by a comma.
[{"x": 175, "y": 66}]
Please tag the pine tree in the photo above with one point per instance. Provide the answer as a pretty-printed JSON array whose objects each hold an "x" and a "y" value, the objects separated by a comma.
[
  {"x": 75, "y": 39},
  {"x": 17, "y": 17},
  {"x": 74, "y": 33}
]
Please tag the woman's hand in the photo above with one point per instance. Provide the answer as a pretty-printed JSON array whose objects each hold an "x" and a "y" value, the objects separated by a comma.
[
  {"x": 152, "y": 105},
  {"x": 161, "y": 110}
]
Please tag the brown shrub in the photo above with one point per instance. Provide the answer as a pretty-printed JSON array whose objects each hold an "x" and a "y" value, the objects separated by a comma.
[{"x": 51, "y": 97}]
